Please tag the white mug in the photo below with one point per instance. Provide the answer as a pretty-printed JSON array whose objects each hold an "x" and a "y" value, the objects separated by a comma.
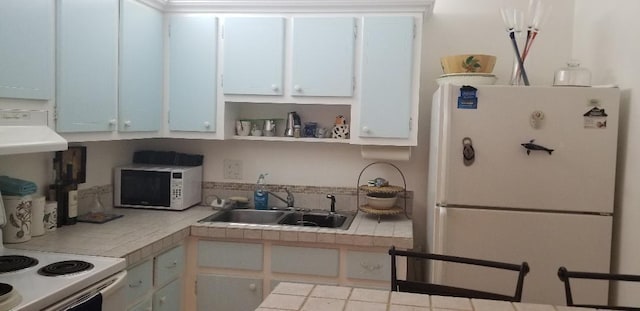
[{"x": 243, "y": 128}]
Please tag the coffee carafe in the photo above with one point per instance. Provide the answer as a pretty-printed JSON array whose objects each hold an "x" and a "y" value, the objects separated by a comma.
[{"x": 293, "y": 119}]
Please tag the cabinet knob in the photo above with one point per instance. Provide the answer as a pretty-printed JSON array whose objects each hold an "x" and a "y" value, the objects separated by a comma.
[
  {"x": 252, "y": 287},
  {"x": 113, "y": 122},
  {"x": 173, "y": 265},
  {"x": 366, "y": 129},
  {"x": 127, "y": 123},
  {"x": 136, "y": 284},
  {"x": 274, "y": 87},
  {"x": 207, "y": 124},
  {"x": 297, "y": 88},
  {"x": 163, "y": 299}
]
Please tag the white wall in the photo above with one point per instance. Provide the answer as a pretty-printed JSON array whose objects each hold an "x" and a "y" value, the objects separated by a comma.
[{"x": 605, "y": 41}]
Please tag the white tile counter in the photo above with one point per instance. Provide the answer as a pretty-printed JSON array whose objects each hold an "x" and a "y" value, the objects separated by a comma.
[
  {"x": 142, "y": 233},
  {"x": 309, "y": 297}
]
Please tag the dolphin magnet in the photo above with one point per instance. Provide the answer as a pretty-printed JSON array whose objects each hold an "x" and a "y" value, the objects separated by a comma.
[{"x": 531, "y": 146}]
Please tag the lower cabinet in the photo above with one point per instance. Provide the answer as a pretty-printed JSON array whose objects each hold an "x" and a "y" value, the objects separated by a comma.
[
  {"x": 236, "y": 275},
  {"x": 157, "y": 282},
  {"x": 222, "y": 293}
]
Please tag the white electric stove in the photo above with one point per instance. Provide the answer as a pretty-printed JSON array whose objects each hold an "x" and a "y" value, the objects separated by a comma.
[{"x": 33, "y": 280}]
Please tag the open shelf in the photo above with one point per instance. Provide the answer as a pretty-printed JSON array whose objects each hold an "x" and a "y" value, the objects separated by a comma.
[{"x": 301, "y": 139}]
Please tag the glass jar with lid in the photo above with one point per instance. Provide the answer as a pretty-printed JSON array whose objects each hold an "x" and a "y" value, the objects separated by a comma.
[{"x": 572, "y": 75}]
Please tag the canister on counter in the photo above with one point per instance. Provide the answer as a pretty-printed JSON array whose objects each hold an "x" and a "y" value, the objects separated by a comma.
[
  {"x": 18, "y": 212},
  {"x": 50, "y": 215}
]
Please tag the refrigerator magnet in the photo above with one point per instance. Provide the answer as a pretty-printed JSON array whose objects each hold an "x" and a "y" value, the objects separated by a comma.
[
  {"x": 595, "y": 118},
  {"x": 468, "y": 98}
]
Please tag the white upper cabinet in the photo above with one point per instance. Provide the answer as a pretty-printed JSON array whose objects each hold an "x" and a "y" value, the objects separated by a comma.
[
  {"x": 141, "y": 67},
  {"x": 388, "y": 92},
  {"x": 26, "y": 49},
  {"x": 322, "y": 56},
  {"x": 253, "y": 55},
  {"x": 192, "y": 72},
  {"x": 87, "y": 63}
]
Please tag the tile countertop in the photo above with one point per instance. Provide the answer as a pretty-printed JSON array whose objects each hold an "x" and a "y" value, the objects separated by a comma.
[
  {"x": 309, "y": 297},
  {"x": 141, "y": 233}
]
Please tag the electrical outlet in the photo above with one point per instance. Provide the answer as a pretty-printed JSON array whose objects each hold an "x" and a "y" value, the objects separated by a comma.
[{"x": 232, "y": 169}]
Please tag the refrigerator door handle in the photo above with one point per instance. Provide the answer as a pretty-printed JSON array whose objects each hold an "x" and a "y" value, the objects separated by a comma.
[{"x": 440, "y": 240}]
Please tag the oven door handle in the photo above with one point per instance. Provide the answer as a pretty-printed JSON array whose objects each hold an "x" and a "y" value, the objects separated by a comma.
[{"x": 106, "y": 287}]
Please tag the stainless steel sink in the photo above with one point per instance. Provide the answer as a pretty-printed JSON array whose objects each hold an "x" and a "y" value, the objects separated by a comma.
[
  {"x": 317, "y": 218},
  {"x": 246, "y": 216}
]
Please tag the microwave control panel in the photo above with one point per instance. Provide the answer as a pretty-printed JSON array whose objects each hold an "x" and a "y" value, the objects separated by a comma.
[{"x": 176, "y": 187}]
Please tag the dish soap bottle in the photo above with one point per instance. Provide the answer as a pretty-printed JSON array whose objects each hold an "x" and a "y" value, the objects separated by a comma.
[{"x": 260, "y": 195}]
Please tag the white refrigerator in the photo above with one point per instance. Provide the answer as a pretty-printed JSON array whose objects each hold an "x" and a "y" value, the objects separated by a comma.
[{"x": 523, "y": 174}]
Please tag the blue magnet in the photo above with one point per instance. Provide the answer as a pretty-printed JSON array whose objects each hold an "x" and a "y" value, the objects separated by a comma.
[{"x": 468, "y": 98}]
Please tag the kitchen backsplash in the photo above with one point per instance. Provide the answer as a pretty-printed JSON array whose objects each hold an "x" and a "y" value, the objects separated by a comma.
[{"x": 305, "y": 196}]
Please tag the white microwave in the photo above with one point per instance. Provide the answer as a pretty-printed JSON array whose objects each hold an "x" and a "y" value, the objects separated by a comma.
[{"x": 157, "y": 187}]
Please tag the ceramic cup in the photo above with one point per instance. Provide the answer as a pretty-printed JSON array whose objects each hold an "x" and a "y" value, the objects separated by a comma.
[
  {"x": 243, "y": 128},
  {"x": 18, "y": 226},
  {"x": 321, "y": 132},
  {"x": 269, "y": 128},
  {"x": 50, "y": 215},
  {"x": 256, "y": 132},
  {"x": 37, "y": 216},
  {"x": 310, "y": 129}
]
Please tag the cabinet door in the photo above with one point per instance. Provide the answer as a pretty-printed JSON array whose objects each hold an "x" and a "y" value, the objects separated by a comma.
[
  {"x": 87, "y": 63},
  {"x": 26, "y": 48},
  {"x": 142, "y": 306},
  {"x": 168, "y": 298},
  {"x": 139, "y": 280},
  {"x": 253, "y": 55},
  {"x": 141, "y": 60},
  {"x": 225, "y": 293},
  {"x": 323, "y": 56},
  {"x": 192, "y": 72},
  {"x": 169, "y": 265},
  {"x": 387, "y": 66}
]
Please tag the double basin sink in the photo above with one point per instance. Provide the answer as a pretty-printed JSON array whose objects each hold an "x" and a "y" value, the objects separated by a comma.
[{"x": 311, "y": 218}]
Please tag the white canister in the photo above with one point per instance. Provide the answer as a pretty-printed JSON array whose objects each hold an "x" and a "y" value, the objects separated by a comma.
[
  {"x": 50, "y": 215},
  {"x": 37, "y": 216},
  {"x": 18, "y": 226}
]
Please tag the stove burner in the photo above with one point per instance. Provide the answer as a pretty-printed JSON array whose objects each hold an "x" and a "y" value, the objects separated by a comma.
[
  {"x": 5, "y": 289},
  {"x": 9, "y": 263},
  {"x": 65, "y": 267}
]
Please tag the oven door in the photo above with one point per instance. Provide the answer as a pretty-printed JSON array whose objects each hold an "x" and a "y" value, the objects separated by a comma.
[{"x": 106, "y": 295}]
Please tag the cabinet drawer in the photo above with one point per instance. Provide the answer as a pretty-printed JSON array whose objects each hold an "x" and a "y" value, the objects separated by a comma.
[
  {"x": 230, "y": 255},
  {"x": 145, "y": 305},
  {"x": 370, "y": 266},
  {"x": 169, "y": 265},
  {"x": 168, "y": 298},
  {"x": 139, "y": 279},
  {"x": 304, "y": 260}
]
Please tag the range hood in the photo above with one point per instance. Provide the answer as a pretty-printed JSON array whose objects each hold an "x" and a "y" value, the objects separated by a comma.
[{"x": 26, "y": 131}]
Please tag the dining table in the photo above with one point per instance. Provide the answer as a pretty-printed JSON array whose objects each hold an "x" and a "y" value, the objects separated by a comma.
[{"x": 317, "y": 297}]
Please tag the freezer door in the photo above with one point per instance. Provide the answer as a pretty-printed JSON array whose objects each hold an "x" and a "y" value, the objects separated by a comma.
[
  {"x": 545, "y": 240},
  {"x": 578, "y": 175}
]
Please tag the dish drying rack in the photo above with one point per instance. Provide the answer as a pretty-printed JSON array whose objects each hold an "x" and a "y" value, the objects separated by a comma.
[{"x": 395, "y": 210}]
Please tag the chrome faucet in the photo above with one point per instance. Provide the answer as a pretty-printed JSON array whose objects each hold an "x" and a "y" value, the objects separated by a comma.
[
  {"x": 333, "y": 203},
  {"x": 290, "y": 200}
]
